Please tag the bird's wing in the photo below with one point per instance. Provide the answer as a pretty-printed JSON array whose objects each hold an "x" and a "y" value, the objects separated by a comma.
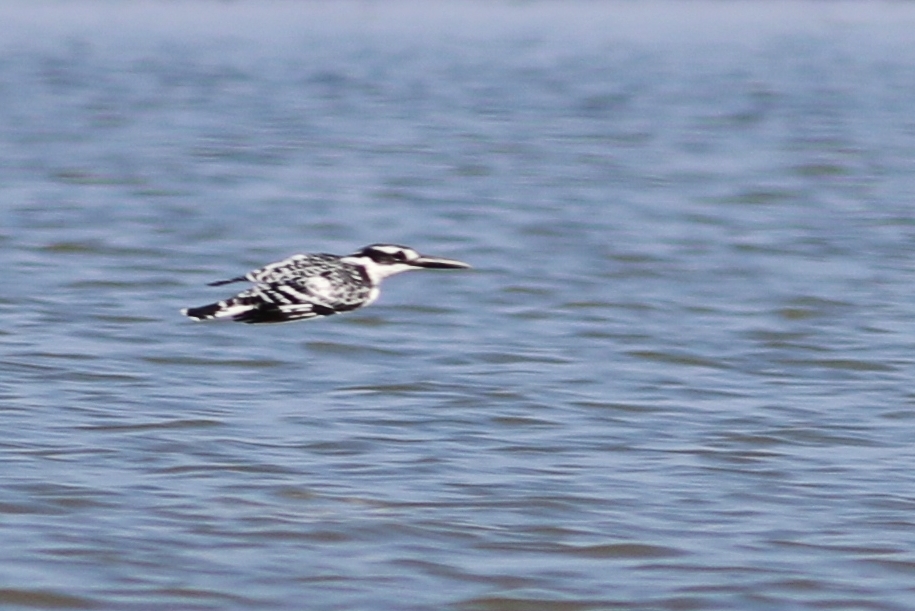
[
  {"x": 293, "y": 268},
  {"x": 296, "y": 266},
  {"x": 307, "y": 296},
  {"x": 339, "y": 288},
  {"x": 271, "y": 303}
]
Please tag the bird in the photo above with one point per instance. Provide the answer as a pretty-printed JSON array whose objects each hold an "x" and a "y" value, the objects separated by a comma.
[{"x": 307, "y": 286}]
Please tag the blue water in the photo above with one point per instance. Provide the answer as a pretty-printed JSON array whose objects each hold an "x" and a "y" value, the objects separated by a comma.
[{"x": 679, "y": 375}]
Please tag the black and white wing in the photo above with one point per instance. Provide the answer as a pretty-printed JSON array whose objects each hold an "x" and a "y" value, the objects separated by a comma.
[
  {"x": 297, "y": 288},
  {"x": 294, "y": 267}
]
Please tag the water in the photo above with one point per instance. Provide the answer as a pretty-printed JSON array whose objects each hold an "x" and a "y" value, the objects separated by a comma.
[{"x": 679, "y": 377}]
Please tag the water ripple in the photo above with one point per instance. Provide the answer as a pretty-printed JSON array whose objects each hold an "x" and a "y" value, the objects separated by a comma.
[{"x": 676, "y": 378}]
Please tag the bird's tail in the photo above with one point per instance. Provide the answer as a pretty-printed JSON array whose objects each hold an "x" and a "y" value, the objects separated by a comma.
[
  {"x": 206, "y": 312},
  {"x": 245, "y": 310},
  {"x": 234, "y": 309}
]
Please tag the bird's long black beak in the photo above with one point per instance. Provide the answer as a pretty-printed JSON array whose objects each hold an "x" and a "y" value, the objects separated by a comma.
[{"x": 438, "y": 263}]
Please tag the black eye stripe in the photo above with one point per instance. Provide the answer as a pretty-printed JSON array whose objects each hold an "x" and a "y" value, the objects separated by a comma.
[{"x": 380, "y": 255}]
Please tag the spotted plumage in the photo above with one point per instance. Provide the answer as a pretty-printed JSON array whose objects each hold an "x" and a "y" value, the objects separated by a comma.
[{"x": 310, "y": 285}]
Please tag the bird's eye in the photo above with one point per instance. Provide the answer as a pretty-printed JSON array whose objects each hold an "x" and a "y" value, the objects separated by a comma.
[{"x": 399, "y": 256}]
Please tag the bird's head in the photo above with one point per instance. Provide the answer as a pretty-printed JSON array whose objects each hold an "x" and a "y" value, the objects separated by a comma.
[{"x": 383, "y": 260}]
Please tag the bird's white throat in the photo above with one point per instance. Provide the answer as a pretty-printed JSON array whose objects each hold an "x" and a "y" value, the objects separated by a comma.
[{"x": 377, "y": 271}]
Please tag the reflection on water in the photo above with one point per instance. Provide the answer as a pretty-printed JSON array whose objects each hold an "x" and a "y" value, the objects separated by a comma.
[{"x": 677, "y": 377}]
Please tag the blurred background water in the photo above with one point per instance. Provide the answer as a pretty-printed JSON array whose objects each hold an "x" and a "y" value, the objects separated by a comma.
[{"x": 680, "y": 375}]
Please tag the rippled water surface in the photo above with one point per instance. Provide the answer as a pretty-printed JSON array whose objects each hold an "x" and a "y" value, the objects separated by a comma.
[{"x": 679, "y": 376}]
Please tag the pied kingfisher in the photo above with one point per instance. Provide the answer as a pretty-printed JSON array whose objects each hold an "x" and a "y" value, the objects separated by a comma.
[{"x": 310, "y": 285}]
